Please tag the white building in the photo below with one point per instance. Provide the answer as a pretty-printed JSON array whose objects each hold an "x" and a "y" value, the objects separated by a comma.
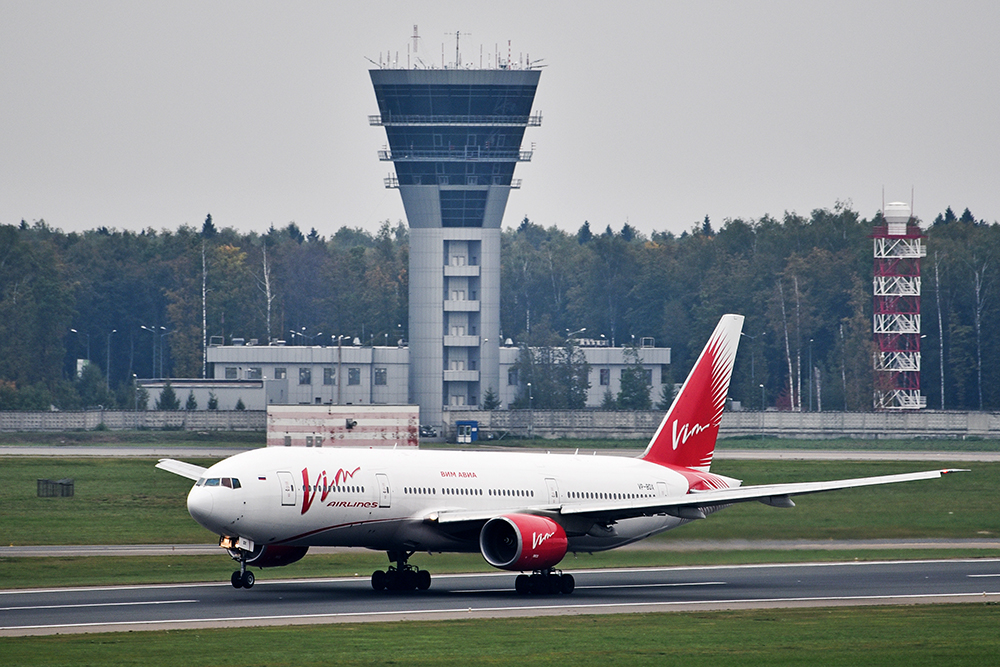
[{"x": 264, "y": 375}]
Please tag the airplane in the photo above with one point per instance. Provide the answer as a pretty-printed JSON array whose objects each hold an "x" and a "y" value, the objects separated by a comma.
[{"x": 522, "y": 511}]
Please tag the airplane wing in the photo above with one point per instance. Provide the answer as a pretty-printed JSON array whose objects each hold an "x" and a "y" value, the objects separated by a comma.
[
  {"x": 692, "y": 505},
  {"x": 189, "y": 470}
]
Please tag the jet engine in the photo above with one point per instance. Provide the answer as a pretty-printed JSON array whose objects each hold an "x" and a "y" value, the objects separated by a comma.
[{"x": 522, "y": 542}]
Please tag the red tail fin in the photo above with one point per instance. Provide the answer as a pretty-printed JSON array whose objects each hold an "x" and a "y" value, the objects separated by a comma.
[{"x": 687, "y": 434}]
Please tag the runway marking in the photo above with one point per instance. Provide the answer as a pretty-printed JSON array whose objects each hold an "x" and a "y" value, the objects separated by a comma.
[
  {"x": 98, "y": 604},
  {"x": 984, "y": 575},
  {"x": 480, "y": 610},
  {"x": 614, "y": 586}
]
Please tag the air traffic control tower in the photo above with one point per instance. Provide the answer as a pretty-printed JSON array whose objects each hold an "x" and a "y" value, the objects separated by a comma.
[{"x": 454, "y": 140}]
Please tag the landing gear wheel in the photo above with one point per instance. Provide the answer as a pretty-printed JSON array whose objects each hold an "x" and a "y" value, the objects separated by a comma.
[
  {"x": 248, "y": 579},
  {"x": 544, "y": 582},
  {"x": 236, "y": 580},
  {"x": 402, "y": 576}
]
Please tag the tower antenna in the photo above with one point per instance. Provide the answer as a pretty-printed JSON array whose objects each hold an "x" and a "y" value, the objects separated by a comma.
[
  {"x": 458, "y": 33},
  {"x": 416, "y": 36}
]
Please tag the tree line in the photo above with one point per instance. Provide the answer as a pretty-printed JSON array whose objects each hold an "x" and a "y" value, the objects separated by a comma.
[{"x": 137, "y": 304}]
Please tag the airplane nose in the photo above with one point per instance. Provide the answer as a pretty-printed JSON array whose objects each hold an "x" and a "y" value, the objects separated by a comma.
[{"x": 200, "y": 505}]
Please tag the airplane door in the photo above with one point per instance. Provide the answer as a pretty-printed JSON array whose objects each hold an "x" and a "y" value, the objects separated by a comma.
[
  {"x": 384, "y": 494},
  {"x": 287, "y": 489},
  {"x": 661, "y": 489},
  {"x": 553, "y": 490}
]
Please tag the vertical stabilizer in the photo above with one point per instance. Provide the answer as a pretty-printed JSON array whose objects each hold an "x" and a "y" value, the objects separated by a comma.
[{"x": 686, "y": 436}]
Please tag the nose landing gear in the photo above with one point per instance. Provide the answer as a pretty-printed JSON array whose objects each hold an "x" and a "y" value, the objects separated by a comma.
[
  {"x": 402, "y": 576},
  {"x": 242, "y": 578}
]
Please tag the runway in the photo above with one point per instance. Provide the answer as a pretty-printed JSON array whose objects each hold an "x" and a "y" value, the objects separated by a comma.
[{"x": 342, "y": 600}]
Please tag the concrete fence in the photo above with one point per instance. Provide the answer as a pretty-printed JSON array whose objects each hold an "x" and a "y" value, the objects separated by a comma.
[
  {"x": 121, "y": 420},
  {"x": 601, "y": 424},
  {"x": 597, "y": 424}
]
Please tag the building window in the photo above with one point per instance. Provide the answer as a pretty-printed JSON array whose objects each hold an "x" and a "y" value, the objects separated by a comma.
[
  {"x": 254, "y": 373},
  {"x": 605, "y": 377},
  {"x": 305, "y": 376},
  {"x": 664, "y": 373},
  {"x": 329, "y": 376},
  {"x": 280, "y": 373},
  {"x": 648, "y": 372},
  {"x": 353, "y": 376},
  {"x": 512, "y": 378},
  {"x": 231, "y": 373},
  {"x": 380, "y": 376}
]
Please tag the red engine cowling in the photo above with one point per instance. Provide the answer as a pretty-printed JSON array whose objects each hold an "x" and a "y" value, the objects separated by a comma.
[
  {"x": 272, "y": 555},
  {"x": 522, "y": 542}
]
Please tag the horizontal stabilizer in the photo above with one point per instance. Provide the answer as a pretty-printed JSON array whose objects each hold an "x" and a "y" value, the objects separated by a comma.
[{"x": 189, "y": 470}]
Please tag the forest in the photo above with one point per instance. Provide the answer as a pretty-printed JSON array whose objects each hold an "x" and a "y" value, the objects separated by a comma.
[{"x": 132, "y": 302}]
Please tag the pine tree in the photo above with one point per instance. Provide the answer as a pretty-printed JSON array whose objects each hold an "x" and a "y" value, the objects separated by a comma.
[
  {"x": 168, "y": 399},
  {"x": 490, "y": 400}
]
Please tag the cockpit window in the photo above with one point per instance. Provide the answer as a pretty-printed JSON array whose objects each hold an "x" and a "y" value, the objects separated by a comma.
[{"x": 228, "y": 482}]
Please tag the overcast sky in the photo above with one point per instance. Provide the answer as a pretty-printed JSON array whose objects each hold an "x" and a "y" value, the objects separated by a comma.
[{"x": 153, "y": 114}]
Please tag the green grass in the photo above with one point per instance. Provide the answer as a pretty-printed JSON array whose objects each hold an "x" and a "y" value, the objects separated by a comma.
[
  {"x": 884, "y": 636},
  {"x": 128, "y": 501}
]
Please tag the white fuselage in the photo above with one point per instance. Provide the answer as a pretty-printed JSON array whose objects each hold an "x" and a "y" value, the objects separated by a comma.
[{"x": 386, "y": 499}]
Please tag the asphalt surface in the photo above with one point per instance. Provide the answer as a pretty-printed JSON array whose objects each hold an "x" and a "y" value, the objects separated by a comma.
[{"x": 160, "y": 607}]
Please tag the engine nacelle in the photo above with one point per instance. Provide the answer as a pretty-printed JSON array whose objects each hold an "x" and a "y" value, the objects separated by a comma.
[
  {"x": 271, "y": 555},
  {"x": 522, "y": 542}
]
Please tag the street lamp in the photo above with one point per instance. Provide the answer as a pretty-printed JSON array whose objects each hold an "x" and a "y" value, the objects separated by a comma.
[
  {"x": 812, "y": 375},
  {"x": 108, "y": 379},
  {"x": 88, "y": 341},
  {"x": 531, "y": 414},
  {"x": 152, "y": 359},
  {"x": 753, "y": 350},
  {"x": 163, "y": 333},
  {"x": 762, "y": 398}
]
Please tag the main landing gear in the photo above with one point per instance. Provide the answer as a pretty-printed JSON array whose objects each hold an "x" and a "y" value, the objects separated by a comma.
[
  {"x": 545, "y": 582},
  {"x": 402, "y": 576},
  {"x": 242, "y": 578}
]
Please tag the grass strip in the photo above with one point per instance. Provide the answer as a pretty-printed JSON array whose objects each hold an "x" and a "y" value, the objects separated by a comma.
[
  {"x": 61, "y": 571},
  {"x": 884, "y": 636},
  {"x": 128, "y": 501}
]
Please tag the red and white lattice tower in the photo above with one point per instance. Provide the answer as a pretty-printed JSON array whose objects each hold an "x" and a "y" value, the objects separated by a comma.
[{"x": 896, "y": 287}]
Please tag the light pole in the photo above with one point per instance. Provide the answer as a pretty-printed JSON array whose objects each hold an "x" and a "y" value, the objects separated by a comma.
[
  {"x": 753, "y": 354},
  {"x": 163, "y": 333},
  {"x": 531, "y": 414},
  {"x": 88, "y": 341},
  {"x": 108, "y": 378},
  {"x": 340, "y": 358},
  {"x": 811, "y": 375},
  {"x": 152, "y": 359},
  {"x": 762, "y": 407}
]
